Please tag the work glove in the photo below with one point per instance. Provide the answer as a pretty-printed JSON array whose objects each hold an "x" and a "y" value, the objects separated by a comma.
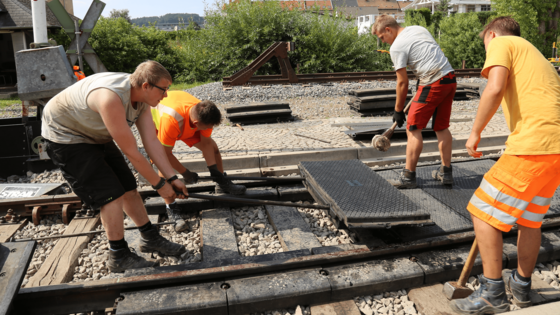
[
  {"x": 190, "y": 177},
  {"x": 399, "y": 118}
]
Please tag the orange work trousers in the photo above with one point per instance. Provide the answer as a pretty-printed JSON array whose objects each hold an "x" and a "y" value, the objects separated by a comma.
[{"x": 518, "y": 189}]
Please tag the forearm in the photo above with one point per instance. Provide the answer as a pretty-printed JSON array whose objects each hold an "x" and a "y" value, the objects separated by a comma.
[
  {"x": 489, "y": 104},
  {"x": 402, "y": 91},
  {"x": 157, "y": 153},
  {"x": 142, "y": 165},
  {"x": 175, "y": 163}
]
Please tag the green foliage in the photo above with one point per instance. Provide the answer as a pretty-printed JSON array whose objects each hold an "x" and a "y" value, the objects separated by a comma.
[
  {"x": 124, "y": 13},
  {"x": 423, "y": 14},
  {"x": 168, "y": 18},
  {"x": 536, "y": 18},
  {"x": 60, "y": 36},
  {"x": 234, "y": 37},
  {"x": 9, "y": 102},
  {"x": 460, "y": 41},
  {"x": 443, "y": 6}
]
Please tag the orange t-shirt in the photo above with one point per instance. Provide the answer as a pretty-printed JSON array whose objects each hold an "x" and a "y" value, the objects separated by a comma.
[{"x": 171, "y": 117}]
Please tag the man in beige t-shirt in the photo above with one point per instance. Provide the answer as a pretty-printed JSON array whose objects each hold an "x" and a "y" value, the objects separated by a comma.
[{"x": 80, "y": 124}]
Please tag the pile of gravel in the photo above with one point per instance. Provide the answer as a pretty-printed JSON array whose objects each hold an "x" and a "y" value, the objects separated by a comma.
[
  {"x": 388, "y": 303},
  {"x": 322, "y": 226},
  {"x": 257, "y": 93},
  {"x": 254, "y": 234}
]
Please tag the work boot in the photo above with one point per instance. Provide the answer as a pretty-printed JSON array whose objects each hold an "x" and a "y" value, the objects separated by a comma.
[
  {"x": 124, "y": 259},
  {"x": 152, "y": 241},
  {"x": 224, "y": 184},
  {"x": 407, "y": 180},
  {"x": 444, "y": 174},
  {"x": 173, "y": 215},
  {"x": 489, "y": 298},
  {"x": 519, "y": 291}
]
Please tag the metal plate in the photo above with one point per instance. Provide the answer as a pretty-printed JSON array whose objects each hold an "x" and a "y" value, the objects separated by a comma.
[
  {"x": 446, "y": 220},
  {"x": 14, "y": 259},
  {"x": 358, "y": 194},
  {"x": 13, "y": 191}
]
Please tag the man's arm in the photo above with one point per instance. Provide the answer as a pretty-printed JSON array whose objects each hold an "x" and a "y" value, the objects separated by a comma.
[
  {"x": 402, "y": 89},
  {"x": 173, "y": 160},
  {"x": 489, "y": 104}
]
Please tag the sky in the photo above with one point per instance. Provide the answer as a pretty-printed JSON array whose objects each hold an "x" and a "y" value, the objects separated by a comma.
[{"x": 141, "y": 8}]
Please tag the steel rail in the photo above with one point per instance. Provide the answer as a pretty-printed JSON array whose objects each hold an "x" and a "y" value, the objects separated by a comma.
[
  {"x": 98, "y": 295},
  {"x": 257, "y": 201}
]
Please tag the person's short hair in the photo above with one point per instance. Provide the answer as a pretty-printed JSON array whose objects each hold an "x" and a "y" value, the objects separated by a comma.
[
  {"x": 383, "y": 21},
  {"x": 149, "y": 71},
  {"x": 208, "y": 113},
  {"x": 503, "y": 26}
]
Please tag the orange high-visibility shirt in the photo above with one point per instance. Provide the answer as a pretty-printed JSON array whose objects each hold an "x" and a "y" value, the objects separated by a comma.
[{"x": 171, "y": 117}]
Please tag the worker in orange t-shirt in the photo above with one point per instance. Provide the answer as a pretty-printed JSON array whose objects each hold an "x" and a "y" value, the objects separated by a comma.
[
  {"x": 181, "y": 116},
  {"x": 78, "y": 73}
]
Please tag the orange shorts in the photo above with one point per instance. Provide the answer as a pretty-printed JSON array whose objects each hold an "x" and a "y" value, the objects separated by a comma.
[
  {"x": 517, "y": 189},
  {"x": 193, "y": 140}
]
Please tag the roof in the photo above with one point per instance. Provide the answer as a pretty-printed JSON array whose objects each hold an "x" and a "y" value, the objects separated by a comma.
[
  {"x": 384, "y": 4},
  {"x": 344, "y": 3},
  {"x": 320, "y": 4},
  {"x": 357, "y": 11},
  {"x": 17, "y": 15}
]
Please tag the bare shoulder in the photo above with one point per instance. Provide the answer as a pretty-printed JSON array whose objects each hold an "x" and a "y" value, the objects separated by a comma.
[{"x": 100, "y": 98}]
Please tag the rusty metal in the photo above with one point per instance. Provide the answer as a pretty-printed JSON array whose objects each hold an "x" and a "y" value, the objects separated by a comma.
[
  {"x": 227, "y": 199},
  {"x": 65, "y": 214},
  {"x": 278, "y": 50},
  {"x": 36, "y": 215}
]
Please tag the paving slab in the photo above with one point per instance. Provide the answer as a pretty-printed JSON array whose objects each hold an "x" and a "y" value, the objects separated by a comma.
[
  {"x": 430, "y": 300},
  {"x": 366, "y": 278},
  {"x": 544, "y": 290},
  {"x": 545, "y": 309},
  {"x": 14, "y": 259},
  {"x": 347, "y": 187},
  {"x": 447, "y": 264},
  {"x": 275, "y": 291},
  {"x": 197, "y": 299},
  {"x": 218, "y": 235},
  {"x": 294, "y": 233},
  {"x": 336, "y": 308},
  {"x": 446, "y": 220}
]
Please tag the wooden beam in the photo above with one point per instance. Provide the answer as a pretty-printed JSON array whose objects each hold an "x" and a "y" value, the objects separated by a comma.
[
  {"x": 429, "y": 300},
  {"x": 337, "y": 308},
  {"x": 294, "y": 233},
  {"x": 8, "y": 230},
  {"x": 59, "y": 266}
]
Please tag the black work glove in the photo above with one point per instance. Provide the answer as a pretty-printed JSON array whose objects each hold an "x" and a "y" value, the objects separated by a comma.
[
  {"x": 190, "y": 177},
  {"x": 399, "y": 118}
]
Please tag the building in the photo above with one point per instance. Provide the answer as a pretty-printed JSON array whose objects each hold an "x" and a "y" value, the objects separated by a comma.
[
  {"x": 390, "y": 7},
  {"x": 455, "y": 6},
  {"x": 16, "y": 33}
]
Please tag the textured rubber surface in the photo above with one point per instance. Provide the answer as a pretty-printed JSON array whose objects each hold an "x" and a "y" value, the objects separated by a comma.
[
  {"x": 446, "y": 219},
  {"x": 357, "y": 193}
]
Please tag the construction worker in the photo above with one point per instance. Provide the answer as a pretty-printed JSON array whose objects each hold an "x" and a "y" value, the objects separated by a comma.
[
  {"x": 415, "y": 47},
  {"x": 81, "y": 125},
  {"x": 183, "y": 117},
  {"x": 518, "y": 189},
  {"x": 78, "y": 73}
]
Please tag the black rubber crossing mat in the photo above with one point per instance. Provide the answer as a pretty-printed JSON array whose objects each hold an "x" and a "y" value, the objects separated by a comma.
[
  {"x": 14, "y": 259},
  {"x": 446, "y": 220},
  {"x": 357, "y": 194}
]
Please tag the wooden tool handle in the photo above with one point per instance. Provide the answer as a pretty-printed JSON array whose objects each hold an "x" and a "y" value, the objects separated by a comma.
[
  {"x": 469, "y": 264},
  {"x": 405, "y": 110}
]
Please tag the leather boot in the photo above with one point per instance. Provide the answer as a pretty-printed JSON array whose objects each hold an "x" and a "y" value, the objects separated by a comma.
[
  {"x": 489, "y": 298},
  {"x": 152, "y": 241},
  {"x": 173, "y": 214},
  {"x": 407, "y": 180},
  {"x": 444, "y": 174},
  {"x": 519, "y": 291},
  {"x": 124, "y": 259},
  {"x": 224, "y": 184}
]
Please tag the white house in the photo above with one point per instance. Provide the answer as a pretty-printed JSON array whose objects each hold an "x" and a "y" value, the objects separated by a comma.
[
  {"x": 365, "y": 22},
  {"x": 455, "y": 6}
]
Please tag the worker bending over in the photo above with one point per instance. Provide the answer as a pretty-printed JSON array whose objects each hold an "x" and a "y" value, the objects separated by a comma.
[
  {"x": 183, "y": 117},
  {"x": 518, "y": 189},
  {"x": 80, "y": 124},
  {"x": 415, "y": 47}
]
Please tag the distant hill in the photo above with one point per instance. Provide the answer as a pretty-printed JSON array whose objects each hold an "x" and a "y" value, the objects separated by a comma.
[{"x": 169, "y": 18}]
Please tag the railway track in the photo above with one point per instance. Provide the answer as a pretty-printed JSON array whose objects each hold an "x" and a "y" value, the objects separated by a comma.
[{"x": 305, "y": 272}]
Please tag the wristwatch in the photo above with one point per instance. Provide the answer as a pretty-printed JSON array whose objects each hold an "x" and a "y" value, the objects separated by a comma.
[
  {"x": 172, "y": 178},
  {"x": 160, "y": 184}
]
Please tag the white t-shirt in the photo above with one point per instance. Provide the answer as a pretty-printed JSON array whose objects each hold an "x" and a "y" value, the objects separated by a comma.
[{"x": 416, "y": 48}]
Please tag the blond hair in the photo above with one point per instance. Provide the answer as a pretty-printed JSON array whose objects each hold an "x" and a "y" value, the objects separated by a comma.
[
  {"x": 150, "y": 72},
  {"x": 382, "y": 22}
]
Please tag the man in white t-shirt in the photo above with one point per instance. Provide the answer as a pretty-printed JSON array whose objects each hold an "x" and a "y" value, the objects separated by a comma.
[{"x": 415, "y": 47}]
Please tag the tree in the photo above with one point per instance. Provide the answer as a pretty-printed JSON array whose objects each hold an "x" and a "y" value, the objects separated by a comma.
[
  {"x": 443, "y": 5},
  {"x": 538, "y": 19},
  {"x": 124, "y": 13},
  {"x": 460, "y": 41}
]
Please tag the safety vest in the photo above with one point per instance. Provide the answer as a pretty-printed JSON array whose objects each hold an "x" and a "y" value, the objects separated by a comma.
[{"x": 79, "y": 74}]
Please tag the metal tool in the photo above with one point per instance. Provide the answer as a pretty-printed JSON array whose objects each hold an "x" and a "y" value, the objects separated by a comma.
[
  {"x": 268, "y": 179},
  {"x": 256, "y": 201},
  {"x": 457, "y": 290},
  {"x": 382, "y": 142}
]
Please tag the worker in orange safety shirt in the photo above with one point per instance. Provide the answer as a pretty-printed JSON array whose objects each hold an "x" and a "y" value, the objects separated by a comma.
[{"x": 78, "y": 73}]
